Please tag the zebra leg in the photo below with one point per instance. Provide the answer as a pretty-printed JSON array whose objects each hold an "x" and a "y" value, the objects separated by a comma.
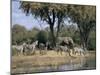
[
  {"x": 76, "y": 52},
  {"x": 60, "y": 52},
  {"x": 57, "y": 51},
  {"x": 84, "y": 53},
  {"x": 21, "y": 52},
  {"x": 46, "y": 50},
  {"x": 17, "y": 53},
  {"x": 33, "y": 52},
  {"x": 73, "y": 51},
  {"x": 40, "y": 51},
  {"x": 80, "y": 53},
  {"x": 69, "y": 53}
]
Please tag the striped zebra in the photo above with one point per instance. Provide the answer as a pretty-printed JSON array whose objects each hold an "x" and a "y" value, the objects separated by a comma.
[
  {"x": 20, "y": 48},
  {"x": 61, "y": 49},
  {"x": 31, "y": 47},
  {"x": 79, "y": 50}
]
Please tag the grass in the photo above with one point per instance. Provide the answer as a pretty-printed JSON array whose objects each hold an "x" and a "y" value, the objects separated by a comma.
[{"x": 50, "y": 59}]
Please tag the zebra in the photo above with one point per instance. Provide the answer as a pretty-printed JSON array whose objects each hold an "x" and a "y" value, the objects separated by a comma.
[
  {"x": 20, "y": 48},
  {"x": 43, "y": 48},
  {"x": 31, "y": 47},
  {"x": 63, "y": 48},
  {"x": 79, "y": 50},
  {"x": 24, "y": 48}
]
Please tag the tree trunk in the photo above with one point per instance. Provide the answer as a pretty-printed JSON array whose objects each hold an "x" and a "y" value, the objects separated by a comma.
[
  {"x": 60, "y": 17},
  {"x": 84, "y": 40},
  {"x": 53, "y": 36}
]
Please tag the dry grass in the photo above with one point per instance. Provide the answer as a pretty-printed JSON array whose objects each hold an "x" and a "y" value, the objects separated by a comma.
[{"x": 49, "y": 59}]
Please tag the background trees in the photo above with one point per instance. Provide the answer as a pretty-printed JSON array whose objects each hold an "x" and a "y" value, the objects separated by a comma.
[
  {"x": 56, "y": 15},
  {"x": 18, "y": 34},
  {"x": 50, "y": 13},
  {"x": 42, "y": 36},
  {"x": 85, "y": 17}
]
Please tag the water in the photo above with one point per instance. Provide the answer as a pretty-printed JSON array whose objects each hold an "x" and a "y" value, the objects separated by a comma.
[{"x": 81, "y": 64}]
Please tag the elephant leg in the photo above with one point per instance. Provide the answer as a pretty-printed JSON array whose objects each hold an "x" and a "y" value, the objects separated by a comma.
[{"x": 69, "y": 52}]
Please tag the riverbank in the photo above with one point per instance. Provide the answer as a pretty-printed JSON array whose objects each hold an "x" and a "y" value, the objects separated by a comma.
[{"x": 23, "y": 63}]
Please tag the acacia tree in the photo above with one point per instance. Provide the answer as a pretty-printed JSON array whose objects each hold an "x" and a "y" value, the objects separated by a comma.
[
  {"x": 50, "y": 13},
  {"x": 85, "y": 17}
]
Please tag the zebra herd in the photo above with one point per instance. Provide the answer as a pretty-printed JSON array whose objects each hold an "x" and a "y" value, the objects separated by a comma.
[
  {"x": 22, "y": 49},
  {"x": 31, "y": 49},
  {"x": 74, "y": 50}
]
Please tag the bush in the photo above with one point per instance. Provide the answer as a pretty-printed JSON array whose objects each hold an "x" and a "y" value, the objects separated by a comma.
[
  {"x": 92, "y": 41},
  {"x": 14, "y": 52},
  {"x": 42, "y": 36},
  {"x": 92, "y": 44}
]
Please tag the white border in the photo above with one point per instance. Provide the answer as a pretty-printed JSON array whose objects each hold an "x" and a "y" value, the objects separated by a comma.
[
  {"x": 5, "y": 37},
  {"x": 85, "y": 2}
]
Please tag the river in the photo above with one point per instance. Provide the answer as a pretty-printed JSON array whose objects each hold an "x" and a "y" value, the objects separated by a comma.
[{"x": 82, "y": 64}]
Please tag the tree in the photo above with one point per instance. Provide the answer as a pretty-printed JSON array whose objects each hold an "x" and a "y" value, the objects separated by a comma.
[
  {"x": 50, "y": 13},
  {"x": 85, "y": 17},
  {"x": 92, "y": 41},
  {"x": 18, "y": 34},
  {"x": 42, "y": 37},
  {"x": 31, "y": 34}
]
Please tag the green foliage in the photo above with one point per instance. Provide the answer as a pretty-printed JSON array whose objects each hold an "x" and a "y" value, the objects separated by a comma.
[
  {"x": 14, "y": 52},
  {"x": 20, "y": 34},
  {"x": 43, "y": 10},
  {"x": 92, "y": 41},
  {"x": 46, "y": 12},
  {"x": 31, "y": 35},
  {"x": 68, "y": 30},
  {"x": 73, "y": 31},
  {"x": 76, "y": 38},
  {"x": 83, "y": 16},
  {"x": 42, "y": 36}
]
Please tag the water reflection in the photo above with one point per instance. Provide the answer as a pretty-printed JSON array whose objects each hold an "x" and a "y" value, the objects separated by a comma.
[
  {"x": 81, "y": 63},
  {"x": 75, "y": 64}
]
